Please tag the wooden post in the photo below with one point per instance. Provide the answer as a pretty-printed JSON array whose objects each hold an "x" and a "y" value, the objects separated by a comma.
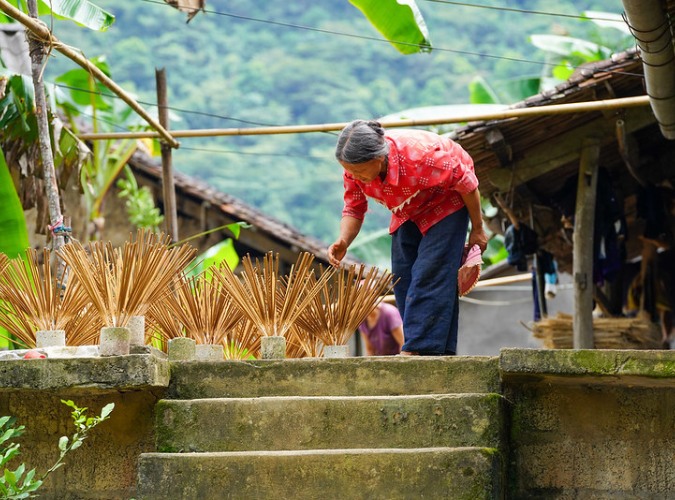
[
  {"x": 170, "y": 215},
  {"x": 584, "y": 220}
]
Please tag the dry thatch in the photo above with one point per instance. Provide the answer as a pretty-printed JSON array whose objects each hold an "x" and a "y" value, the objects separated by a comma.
[
  {"x": 34, "y": 299},
  {"x": 272, "y": 303},
  {"x": 343, "y": 303},
  {"x": 608, "y": 333},
  {"x": 125, "y": 283}
]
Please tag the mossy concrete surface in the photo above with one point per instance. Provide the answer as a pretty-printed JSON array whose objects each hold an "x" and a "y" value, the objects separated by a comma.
[
  {"x": 324, "y": 422},
  {"x": 389, "y": 474},
  {"x": 590, "y": 424},
  {"x": 362, "y": 376},
  {"x": 132, "y": 372},
  {"x": 618, "y": 367},
  {"x": 105, "y": 466}
]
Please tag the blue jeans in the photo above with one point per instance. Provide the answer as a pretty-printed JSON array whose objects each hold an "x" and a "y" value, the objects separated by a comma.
[{"x": 426, "y": 293}]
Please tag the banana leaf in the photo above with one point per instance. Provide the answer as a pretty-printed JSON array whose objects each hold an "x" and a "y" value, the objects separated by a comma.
[
  {"x": 81, "y": 12},
  {"x": 13, "y": 231},
  {"x": 399, "y": 21}
]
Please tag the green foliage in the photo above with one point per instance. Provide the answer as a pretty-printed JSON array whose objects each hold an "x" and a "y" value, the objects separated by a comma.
[
  {"x": 109, "y": 157},
  {"x": 222, "y": 252},
  {"x": 243, "y": 71},
  {"x": 17, "y": 483},
  {"x": 400, "y": 22},
  {"x": 14, "y": 239},
  {"x": 81, "y": 12},
  {"x": 139, "y": 202}
]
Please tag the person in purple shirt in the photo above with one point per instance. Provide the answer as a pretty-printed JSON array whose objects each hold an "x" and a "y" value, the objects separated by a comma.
[{"x": 382, "y": 331}]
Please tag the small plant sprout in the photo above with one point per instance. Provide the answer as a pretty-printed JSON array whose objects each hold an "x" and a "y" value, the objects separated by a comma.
[
  {"x": 18, "y": 483},
  {"x": 83, "y": 424}
]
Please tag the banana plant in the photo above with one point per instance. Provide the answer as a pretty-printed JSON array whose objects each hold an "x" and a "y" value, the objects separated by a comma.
[
  {"x": 563, "y": 54},
  {"x": 399, "y": 21},
  {"x": 17, "y": 114},
  {"x": 82, "y": 12}
]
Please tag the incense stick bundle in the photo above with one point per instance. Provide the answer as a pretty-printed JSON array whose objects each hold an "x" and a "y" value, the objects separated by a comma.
[
  {"x": 33, "y": 299},
  {"x": 242, "y": 342},
  {"x": 608, "y": 333},
  {"x": 125, "y": 282},
  {"x": 343, "y": 304},
  {"x": 272, "y": 303},
  {"x": 204, "y": 309},
  {"x": 301, "y": 344}
]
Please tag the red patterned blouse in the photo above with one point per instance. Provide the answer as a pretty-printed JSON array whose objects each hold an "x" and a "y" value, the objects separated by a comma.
[{"x": 426, "y": 175}]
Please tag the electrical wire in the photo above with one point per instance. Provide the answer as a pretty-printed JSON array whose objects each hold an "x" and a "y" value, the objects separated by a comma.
[
  {"x": 255, "y": 123},
  {"x": 522, "y": 11},
  {"x": 363, "y": 37}
]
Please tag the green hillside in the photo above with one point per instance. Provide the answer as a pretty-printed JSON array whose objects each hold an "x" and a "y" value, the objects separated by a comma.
[{"x": 284, "y": 63}]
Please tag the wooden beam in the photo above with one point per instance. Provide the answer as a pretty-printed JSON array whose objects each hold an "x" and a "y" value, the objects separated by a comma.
[
  {"x": 584, "y": 219},
  {"x": 169, "y": 189},
  {"x": 564, "y": 148}
]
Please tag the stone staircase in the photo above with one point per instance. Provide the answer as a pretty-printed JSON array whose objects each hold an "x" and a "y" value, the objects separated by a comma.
[{"x": 375, "y": 428}]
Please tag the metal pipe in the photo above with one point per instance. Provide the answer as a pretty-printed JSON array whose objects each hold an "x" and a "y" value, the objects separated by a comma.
[{"x": 651, "y": 27}]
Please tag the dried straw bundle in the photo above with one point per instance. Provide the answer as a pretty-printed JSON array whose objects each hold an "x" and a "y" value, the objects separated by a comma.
[
  {"x": 608, "y": 333},
  {"x": 343, "y": 304},
  {"x": 204, "y": 309},
  {"x": 273, "y": 304},
  {"x": 33, "y": 299},
  {"x": 125, "y": 283}
]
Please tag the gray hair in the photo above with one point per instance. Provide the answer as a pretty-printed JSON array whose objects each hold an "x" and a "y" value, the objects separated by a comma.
[{"x": 361, "y": 141}]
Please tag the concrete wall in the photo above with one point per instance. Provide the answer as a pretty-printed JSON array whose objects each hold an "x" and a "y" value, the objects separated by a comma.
[
  {"x": 590, "y": 424},
  {"x": 581, "y": 424},
  {"x": 106, "y": 463}
]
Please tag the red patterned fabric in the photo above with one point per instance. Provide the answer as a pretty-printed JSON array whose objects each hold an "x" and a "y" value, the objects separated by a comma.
[
  {"x": 469, "y": 271},
  {"x": 425, "y": 177}
]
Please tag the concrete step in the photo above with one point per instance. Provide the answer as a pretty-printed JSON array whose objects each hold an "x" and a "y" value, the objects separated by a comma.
[
  {"x": 298, "y": 423},
  {"x": 359, "y": 376},
  {"x": 456, "y": 473}
]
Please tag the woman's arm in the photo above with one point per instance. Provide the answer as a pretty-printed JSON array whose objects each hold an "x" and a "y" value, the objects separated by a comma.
[
  {"x": 397, "y": 333},
  {"x": 349, "y": 229},
  {"x": 477, "y": 236},
  {"x": 369, "y": 347}
]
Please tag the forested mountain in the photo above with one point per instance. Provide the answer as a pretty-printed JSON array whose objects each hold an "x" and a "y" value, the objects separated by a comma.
[{"x": 250, "y": 62}]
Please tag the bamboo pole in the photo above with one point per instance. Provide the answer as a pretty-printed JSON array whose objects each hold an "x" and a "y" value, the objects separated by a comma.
[
  {"x": 584, "y": 219},
  {"x": 41, "y": 31},
  {"x": 553, "y": 109},
  {"x": 167, "y": 165}
]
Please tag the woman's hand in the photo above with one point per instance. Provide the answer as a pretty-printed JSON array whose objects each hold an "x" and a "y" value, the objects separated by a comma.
[
  {"x": 337, "y": 252},
  {"x": 479, "y": 237}
]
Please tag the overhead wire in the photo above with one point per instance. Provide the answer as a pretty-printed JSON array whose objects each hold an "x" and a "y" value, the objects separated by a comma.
[
  {"x": 310, "y": 28},
  {"x": 522, "y": 11},
  {"x": 361, "y": 37}
]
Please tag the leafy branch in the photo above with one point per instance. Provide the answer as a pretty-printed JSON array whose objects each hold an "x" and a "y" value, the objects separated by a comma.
[{"x": 13, "y": 483}]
